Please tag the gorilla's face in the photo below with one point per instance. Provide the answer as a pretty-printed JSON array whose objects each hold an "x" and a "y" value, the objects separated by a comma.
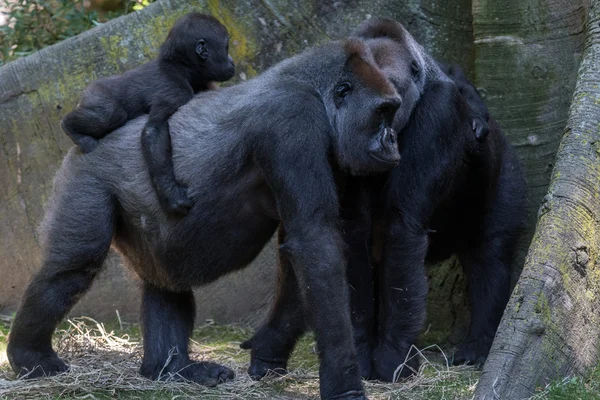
[
  {"x": 401, "y": 64},
  {"x": 201, "y": 42},
  {"x": 214, "y": 51},
  {"x": 401, "y": 59},
  {"x": 364, "y": 103}
]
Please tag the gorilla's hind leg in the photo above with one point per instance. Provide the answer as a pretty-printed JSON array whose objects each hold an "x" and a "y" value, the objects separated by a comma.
[
  {"x": 79, "y": 230},
  {"x": 274, "y": 341},
  {"x": 167, "y": 323}
]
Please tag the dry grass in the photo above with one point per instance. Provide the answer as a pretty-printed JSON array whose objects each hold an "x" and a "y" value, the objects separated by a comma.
[{"x": 104, "y": 364}]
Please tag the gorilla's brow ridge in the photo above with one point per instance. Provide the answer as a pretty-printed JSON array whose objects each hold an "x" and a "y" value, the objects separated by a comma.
[{"x": 363, "y": 65}]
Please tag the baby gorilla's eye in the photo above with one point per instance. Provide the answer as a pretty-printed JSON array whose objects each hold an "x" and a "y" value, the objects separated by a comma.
[
  {"x": 343, "y": 89},
  {"x": 415, "y": 70}
]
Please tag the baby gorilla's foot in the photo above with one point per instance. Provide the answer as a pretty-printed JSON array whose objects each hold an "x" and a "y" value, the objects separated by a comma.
[{"x": 176, "y": 200}]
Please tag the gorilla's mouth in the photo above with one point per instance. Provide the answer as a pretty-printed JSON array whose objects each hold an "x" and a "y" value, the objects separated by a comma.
[
  {"x": 386, "y": 160},
  {"x": 384, "y": 147}
]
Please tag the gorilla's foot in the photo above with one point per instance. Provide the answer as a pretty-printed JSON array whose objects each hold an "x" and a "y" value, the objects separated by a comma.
[
  {"x": 260, "y": 367},
  {"x": 204, "y": 373},
  {"x": 352, "y": 395},
  {"x": 30, "y": 363},
  {"x": 473, "y": 351},
  {"x": 364, "y": 355},
  {"x": 391, "y": 363}
]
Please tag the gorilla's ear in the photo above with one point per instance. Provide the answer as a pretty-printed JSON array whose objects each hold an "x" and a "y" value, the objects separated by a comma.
[
  {"x": 202, "y": 49},
  {"x": 373, "y": 28}
]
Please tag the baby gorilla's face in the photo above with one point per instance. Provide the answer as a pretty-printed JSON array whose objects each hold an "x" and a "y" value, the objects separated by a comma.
[{"x": 217, "y": 60}]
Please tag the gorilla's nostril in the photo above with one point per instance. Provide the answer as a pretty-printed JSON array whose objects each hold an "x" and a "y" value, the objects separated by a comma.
[
  {"x": 390, "y": 105},
  {"x": 391, "y": 136}
]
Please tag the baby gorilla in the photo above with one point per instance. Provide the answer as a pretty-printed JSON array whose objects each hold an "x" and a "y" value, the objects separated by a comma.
[{"x": 194, "y": 55}]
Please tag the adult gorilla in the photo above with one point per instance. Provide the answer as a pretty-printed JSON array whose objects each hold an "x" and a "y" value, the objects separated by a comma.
[
  {"x": 450, "y": 193},
  {"x": 259, "y": 155}
]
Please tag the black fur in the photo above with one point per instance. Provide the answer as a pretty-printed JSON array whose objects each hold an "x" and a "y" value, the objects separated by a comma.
[
  {"x": 194, "y": 55},
  {"x": 265, "y": 153},
  {"x": 479, "y": 112},
  {"x": 450, "y": 193}
]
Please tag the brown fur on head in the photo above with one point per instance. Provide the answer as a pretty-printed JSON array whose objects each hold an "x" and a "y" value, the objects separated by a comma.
[
  {"x": 395, "y": 43},
  {"x": 363, "y": 65},
  {"x": 400, "y": 59},
  {"x": 381, "y": 27}
]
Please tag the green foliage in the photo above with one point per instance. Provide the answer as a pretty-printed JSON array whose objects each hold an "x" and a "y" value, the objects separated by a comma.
[
  {"x": 34, "y": 24},
  {"x": 575, "y": 388}
]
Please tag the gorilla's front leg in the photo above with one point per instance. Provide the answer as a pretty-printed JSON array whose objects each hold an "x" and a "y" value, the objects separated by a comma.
[
  {"x": 273, "y": 343},
  {"x": 487, "y": 267},
  {"x": 167, "y": 323},
  {"x": 404, "y": 285},
  {"x": 362, "y": 302},
  {"x": 316, "y": 253}
]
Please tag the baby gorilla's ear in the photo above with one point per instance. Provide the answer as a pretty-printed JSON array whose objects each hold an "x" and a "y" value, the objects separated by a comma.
[
  {"x": 201, "y": 49},
  {"x": 380, "y": 27}
]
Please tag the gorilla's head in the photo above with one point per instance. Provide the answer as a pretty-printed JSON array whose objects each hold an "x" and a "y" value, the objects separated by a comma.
[
  {"x": 361, "y": 103},
  {"x": 403, "y": 61},
  {"x": 201, "y": 42}
]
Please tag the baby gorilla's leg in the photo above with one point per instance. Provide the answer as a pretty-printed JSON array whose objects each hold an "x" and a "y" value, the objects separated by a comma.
[{"x": 94, "y": 118}]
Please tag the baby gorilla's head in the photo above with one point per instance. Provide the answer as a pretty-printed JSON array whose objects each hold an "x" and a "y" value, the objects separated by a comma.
[{"x": 201, "y": 42}]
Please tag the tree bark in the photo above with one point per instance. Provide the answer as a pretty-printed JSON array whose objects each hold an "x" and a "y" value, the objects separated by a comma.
[
  {"x": 551, "y": 327},
  {"x": 527, "y": 55},
  {"x": 525, "y": 65}
]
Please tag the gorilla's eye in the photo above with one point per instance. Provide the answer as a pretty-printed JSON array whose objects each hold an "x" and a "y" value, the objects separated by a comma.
[
  {"x": 343, "y": 89},
  {"x": 414, "y": 67}
]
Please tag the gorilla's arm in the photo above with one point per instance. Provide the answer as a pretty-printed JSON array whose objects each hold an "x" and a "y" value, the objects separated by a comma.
[{"x": 298, "y": 172}]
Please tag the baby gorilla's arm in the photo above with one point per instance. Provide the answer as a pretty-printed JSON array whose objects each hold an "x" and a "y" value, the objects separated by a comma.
[{"x": 156, "y": 147}]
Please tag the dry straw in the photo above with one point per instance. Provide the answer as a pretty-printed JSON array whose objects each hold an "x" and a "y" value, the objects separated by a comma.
[{"x": 105, "y": 365}]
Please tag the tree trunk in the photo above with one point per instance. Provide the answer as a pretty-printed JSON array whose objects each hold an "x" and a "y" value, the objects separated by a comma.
[
  {"x": 551, "y": 327},
  {"x": 526, "y": 58},
  {"x": 527, "y": 55}
]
